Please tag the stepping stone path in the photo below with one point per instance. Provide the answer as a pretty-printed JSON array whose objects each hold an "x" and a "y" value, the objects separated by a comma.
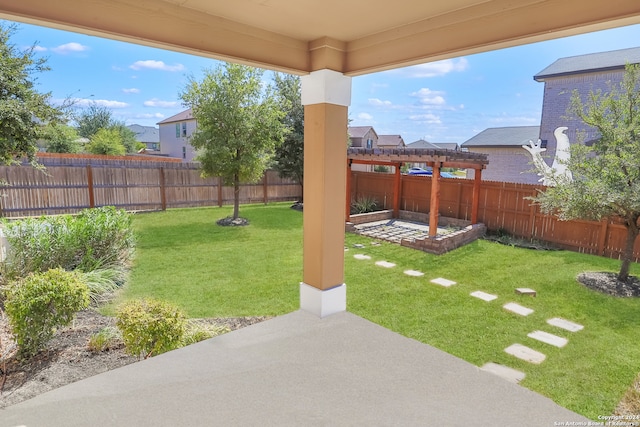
[
  {"x": 385, "y": 264},
  {"x": 548, "y": 338},
  {"x": 525, "y": 353},
  {"x": 518, "y": 309},
  {"x": 526, "y": 291},
  {"x": 358, "y": 245},
  {"x": 483, "y": 296},
  {"x": 443, "y": 282},
  {"x": 413, "y": 273},
  {"x": 361, "y": 256},
  {"x": 505, "y": 372},
  {"x": 565, "y": 324}
]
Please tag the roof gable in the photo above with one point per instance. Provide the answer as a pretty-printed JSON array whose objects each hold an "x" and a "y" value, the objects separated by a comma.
[
  {"x": 360, "y": 131},
  {"x": 421, "y": 143},
  {"x": 514, "y": 136},
  {"x": 180, "y": 117},
  {"x": 390, "y": 140}
]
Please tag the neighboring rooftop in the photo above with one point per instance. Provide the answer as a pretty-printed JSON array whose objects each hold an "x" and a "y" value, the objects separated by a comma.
[
  {"x": 421, "y": 143},
  {"x": 359, "y": 131},
  {"x": 514, "y": 136},
  {"x": 390, "y": 141},
  {"x": 601, "y": 61},
  {"x": 180, "y": 117},
  {"x": 145, "y": 133}
]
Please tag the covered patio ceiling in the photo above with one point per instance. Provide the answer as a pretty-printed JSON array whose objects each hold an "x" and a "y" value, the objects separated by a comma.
[{"x": 352, "y": 37}]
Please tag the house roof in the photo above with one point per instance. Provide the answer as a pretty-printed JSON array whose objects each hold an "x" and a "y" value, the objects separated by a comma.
[
  {"x": 514, "y": 136},
  {"x": 145, "y": 133},
  {"x": 359, "y": 131},
  {"x": 421, "y": 143},
  {"x": 600, "y": 61},
  {"x": 391, "y": 140},
  {"x": 180, "y": 117},
  {"x": 448, "y": 145}
]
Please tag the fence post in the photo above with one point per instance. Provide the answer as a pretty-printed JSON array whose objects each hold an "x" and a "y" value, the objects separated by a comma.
[
  {"x": 602, "y": 239},
  {"x": 92, "y": 201},
  {"x": 163, "y": 196},
  {"x": 219, "y": 192},
  {"x": 265, "y": 190}
]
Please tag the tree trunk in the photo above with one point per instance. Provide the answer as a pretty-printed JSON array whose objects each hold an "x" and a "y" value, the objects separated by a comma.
[
  {"x": 236, "y": 196},
  {"x": 631, "y": 225}
]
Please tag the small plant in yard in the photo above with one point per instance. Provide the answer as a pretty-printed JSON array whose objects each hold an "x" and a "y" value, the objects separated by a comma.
[
  {"x": 103, "y": 282},
  {"x": 196, "y": 332},
  {"x": 107, "y": 338},
  {"x": 364, "y": 204},
  {"x": 42, "y": 302},
  {"x": 150, "y": 327},
  {"x": 96, "y": 238}
]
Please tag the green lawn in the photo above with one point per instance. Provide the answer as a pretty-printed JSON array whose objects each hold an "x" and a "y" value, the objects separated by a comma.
[{"x": 212, "y": 271}]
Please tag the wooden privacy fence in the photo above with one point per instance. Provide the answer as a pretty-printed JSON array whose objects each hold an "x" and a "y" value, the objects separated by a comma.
[
  {"x": 503, "y": 206},
  {"x": 71, "y": 184}
]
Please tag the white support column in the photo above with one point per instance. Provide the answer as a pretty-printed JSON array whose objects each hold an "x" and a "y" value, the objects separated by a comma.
[{"x": 326, "y": 96}]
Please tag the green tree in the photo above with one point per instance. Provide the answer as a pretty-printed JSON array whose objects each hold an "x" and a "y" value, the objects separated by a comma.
[
  {"x": 606, "y": 175},
  {"x": 92, "y": 119},
  {"x": 289, "y": 156},
  {"x": 61, "y": 139},
  {"x": 106, "y": 141},
  {"x": 22, "y": 109},
  {"x": 128, "y": 137},
  {"x": 238, "y": 124}
]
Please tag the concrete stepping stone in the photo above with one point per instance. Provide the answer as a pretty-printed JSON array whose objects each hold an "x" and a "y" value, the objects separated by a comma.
[
  {"x": 358, "y": 245},
  {"x": 375, "y": 243},
  {"x": 413, "y": 273},
  {"x": 346, "y": 249},
  {"x": 525, "y": 353},
  {"x": 525, "y": 291},
  {"x": 504, "y": 372},
  {"x": 548, "y": 338},
  {"x": 483, "y": 296},
  {"x": 385, "y": 264},
  {"x": 517, "y": 308},
  {"x": 565, "y": 324},
  {"x": 443, "y": 282},
  {"x": 361, "y": 256}
]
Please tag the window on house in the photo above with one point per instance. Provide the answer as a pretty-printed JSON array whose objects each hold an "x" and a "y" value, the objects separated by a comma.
[
  {"x": 184, "y": 129},
  {"x": 155, "y": 146},
  {"x": 369, "y": 143},
  {"x": 184, "y": 152},
  {"x": 177, "y": 130}
]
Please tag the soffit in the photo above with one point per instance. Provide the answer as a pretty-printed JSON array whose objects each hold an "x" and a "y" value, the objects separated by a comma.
[{"x": 350, "y": 36}]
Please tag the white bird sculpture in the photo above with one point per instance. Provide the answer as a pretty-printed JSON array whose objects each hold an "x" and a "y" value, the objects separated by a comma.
[{"x": 558, "y": 169}]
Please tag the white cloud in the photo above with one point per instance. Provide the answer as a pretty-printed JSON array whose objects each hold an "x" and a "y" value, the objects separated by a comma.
[
  {"x": 425, "y": 118},
  {"x": 157, "y": 103},
  {"x": 72, "y": 47},
  {"x": 435, "y": 69},
  {"x": 506, "y": 119},
  {"x": 131, "y": 90},
  {"x": 379, "y": 103},
  {"x": 150, "y": 116},
  {"x": 429, "y": 97},
  {"x": 80, "y": 102},
  {"x": 365, "y": 116},
  {"x": 39, "y": 49},
  {"x": 151, "y": 64}
]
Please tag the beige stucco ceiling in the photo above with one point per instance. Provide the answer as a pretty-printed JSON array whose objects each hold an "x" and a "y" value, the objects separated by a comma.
[{"x": 350, "y": 36}]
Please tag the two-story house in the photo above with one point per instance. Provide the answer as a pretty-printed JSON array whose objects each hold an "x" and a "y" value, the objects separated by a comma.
[
  {"x": 174, "y": 135},
  {"x": 149, "y": 136},
  {"x": 508, "y": 161}
]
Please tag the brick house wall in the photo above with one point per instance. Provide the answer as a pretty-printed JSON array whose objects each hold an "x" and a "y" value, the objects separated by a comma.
[
  {"x": 557, "y": 99},
  {"x": 506, "y": 164}
]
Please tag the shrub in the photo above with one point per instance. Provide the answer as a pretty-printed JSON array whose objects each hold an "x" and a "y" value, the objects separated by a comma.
[
  {"x": 95, "y": 238},
  {"x": 105, "y": 339},
  {"x": 196, "y": 332},
  {"x": 150, "y": 327},
  {"x": 363, "y": 204},
  {"x": 103, "y": 283},
  {"x": 40, "y": 303}
]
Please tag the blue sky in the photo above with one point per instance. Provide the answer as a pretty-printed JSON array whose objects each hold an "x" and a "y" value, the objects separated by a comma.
[{"x": 444, "y": 101}]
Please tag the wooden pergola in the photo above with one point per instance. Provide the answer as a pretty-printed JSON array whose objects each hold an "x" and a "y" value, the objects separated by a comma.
[{"x": 436, "y": 159}]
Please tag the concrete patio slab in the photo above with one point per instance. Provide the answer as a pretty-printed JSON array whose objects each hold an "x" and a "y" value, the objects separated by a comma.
[
  {"x": 443, "y": 282},
  {"x": 548, "y": 338},
  {"x": 294, "y": 370},
  {"x": 483, "y": 296},
  {"x": 525, "y": 353},
  {"x": 565, "y": 324},
  {"x": 504, "y": 372},
  {"x": 517, "y": 308}
]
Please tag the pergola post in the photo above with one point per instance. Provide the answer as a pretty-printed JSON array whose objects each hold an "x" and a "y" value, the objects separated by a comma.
[
  {"x": 477, "y": 177},
  {"x": 348, "y": 198},
  {"x": 435, "y": 200},
  {"x": 326, "y": 95}
]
